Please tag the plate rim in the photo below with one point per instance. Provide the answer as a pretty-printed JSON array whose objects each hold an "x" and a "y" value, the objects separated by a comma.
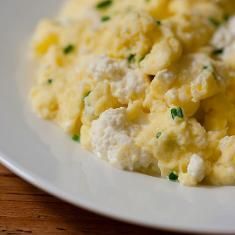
[{"x": 47, "y": 187}]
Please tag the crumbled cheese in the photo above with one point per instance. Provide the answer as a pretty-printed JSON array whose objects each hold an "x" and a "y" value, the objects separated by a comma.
[
  {"x": 227, "y": 148},
  {"x": 131, "y": 84},
  {"x": 126, "y": 83},
  {"x": 225, "y": 38},
  {"x": 166, "y": 75},
  {"x": 196, "y": 168},
  {"x": 204, "y": 85},
  {"x": 225, "y": 142},
  {"x": 225, "y": 35},
  {"x": 229, "y": 52},
  {"x": 221, "y": 38},
  {"x": 104, "y": 68},
  {"x": 111, "y": 140}
]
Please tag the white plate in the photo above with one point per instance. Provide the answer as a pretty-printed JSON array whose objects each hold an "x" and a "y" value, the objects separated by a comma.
[{"x": 43, "y": 155}]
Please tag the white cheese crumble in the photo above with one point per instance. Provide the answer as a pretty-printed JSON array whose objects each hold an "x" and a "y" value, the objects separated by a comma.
[
  {"x": 224, "y": 38},
  {"x": 225, "y": 35},
  {"x": 227, "y": 148},
  {"x": 196, "y": 168},
  {"x": 166, "y": 75},
  {"x": 111, "y": 139},
  {"x": 225, "y": 142},
  {"x": 126, "y": 83}
]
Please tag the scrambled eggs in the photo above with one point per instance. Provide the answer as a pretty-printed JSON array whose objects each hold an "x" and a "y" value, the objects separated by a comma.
[{"x": 147, "y": 85}]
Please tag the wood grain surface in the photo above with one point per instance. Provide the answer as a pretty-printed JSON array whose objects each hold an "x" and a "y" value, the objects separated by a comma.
[{"x": 27, "y": 210}]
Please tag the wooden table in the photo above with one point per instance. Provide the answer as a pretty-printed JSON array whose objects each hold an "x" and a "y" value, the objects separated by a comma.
[{"x": 27, "y": 210}]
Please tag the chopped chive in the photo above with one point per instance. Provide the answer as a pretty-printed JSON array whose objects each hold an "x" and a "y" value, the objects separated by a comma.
[
  {"x": 104, "y": 4},
  {"x": 68, "y": 49},
  {"x": 158, "y": 22},
  {"x": 205, "y": 67},
  {"x": 214, "y": 21},
  {"x": 105, "y": 18},
  {"x": 76, "y": 138},
  {"x": 177, "y": 112},
  {"x": 131, "y": 58},
  {"x": 158, "y": 134},
  {"x": 173, "y": 176},
  {"x": 49, "y": 81},
  {"x": 218, "y": 51},
  {"x": 226, "y": 17}
]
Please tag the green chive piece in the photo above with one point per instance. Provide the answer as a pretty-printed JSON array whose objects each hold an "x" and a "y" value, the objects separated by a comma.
[
  {"x": 205, "y": 67},
  {"x": 105, "y": 18},
  {"x": 226, "y": 17},
  {"x": 68, "y": 49},
  {"x": 131, "y": 58},
  {"x": 214, "y": 21},
  {"x": 158, "y": 135},
  {"x": 158, "y": 22},
  {"x": 218, "y": 51},
  {"x": 104, "y": 4},
  {"x": 76, "y": 138},
  {"x": 49, "y": 81},
  {"x": 173, "y": 176},
  {"x": 177, "y": 112}
]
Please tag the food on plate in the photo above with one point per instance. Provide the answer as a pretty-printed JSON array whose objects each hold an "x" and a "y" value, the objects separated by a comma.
[{"x": 147, "y": 85}]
